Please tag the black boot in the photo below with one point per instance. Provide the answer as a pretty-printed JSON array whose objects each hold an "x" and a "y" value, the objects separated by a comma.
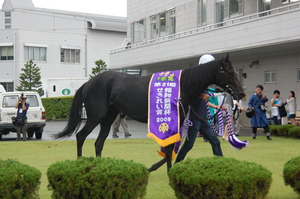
[{"x": 268, "y": 136}]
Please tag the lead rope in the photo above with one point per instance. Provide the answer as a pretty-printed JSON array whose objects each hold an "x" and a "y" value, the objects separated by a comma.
[
  {"x": 220, "y": 131},
  {"x": 186, "y": 123},
  {"x": 233, "y": 140}
]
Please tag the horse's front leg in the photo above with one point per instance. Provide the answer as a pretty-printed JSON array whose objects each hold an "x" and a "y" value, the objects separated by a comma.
[
  {"x": 168, "y": 151},
  {"x": 157, "y": 165}
]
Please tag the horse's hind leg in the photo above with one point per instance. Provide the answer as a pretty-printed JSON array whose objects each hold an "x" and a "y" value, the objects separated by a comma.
[
  {"x": 168, "y": 151},
  {"x": 105, "y": 128},
  {"x": 83, "y": 133}
]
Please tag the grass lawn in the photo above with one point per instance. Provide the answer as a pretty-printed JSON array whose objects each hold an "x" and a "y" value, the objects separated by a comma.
[{"x": 271, "y": 154}]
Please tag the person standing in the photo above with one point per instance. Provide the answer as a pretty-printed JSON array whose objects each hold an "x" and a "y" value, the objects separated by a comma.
[
  {"x": 21, "y": 119},
  {"x": 198, "y": 116},
  {"x": 276, "y": 102},
  {"x": 292, "y": 107},
  {"x": 259, "y": 119},
  {"x": 120, "y": 119},
  {"x": 237, "y": 108}
]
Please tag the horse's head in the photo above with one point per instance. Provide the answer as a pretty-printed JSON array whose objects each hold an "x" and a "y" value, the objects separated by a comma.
[{"x": 227, "y": 79}]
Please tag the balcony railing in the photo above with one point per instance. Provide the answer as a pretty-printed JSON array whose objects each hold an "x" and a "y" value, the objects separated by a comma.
[{"x": 203, "y": 29}]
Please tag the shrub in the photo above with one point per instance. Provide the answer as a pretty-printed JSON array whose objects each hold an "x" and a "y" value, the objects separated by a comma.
[
  {"x": 273, "y": 129},
  {"x": 57, "y": 106},
  {"x": 18, "y": 180},
  {"x": 283, "y": 130},
  {"x": 291, "y": 174},
  {"x": 219, "y": 178},
  {"x": 294, "y": 132},
  {"x": 97, "y": 178}
]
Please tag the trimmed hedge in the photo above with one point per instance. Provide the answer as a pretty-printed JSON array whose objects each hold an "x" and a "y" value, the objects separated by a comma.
[
  {"x": 283, "y": 130},
  {"x": 89, "y": 177},
  {"x": 294, "y": 132},
  {"x": 57, "y": 107},
  {"x": 18, "y": 180},
  {"x": 219, "y": 178},
  {"x": 287, "y": 130},
  {"x": 291, "y": 174}
]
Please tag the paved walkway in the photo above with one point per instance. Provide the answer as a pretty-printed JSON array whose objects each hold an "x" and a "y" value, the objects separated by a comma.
[{"x": 140, "y": 130}]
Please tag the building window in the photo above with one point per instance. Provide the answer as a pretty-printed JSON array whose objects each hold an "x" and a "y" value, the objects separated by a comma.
[
  {"x": 70, "y": 56},
  {"x": 9, "y": 86},
  {"x": 153, "y": 27},
  {"x": 270, "y": 77},
  {"x": 7, "y": 20},
  {"x": 172, "y": 15},
  {"x": 298, "y": 75},
  {"x": 166, "y": 22},
  {"x": 139, "y": 30},
  {"x": 35, "y": 53},
  {"x": 263, "y": 6},
  {"x": 220, "y": 10},
  {"x": 163, "y": 24},
  {"x": 289, "y": 1},
  {"x": 7, "y": 52},
  {"x": 201, "y": 12},
  {"x": 233, "y": 7}
]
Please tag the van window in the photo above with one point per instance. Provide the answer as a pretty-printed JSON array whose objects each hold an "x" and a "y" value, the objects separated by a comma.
[
  {"x": 11, "y": 100},
  {"x": 32, "y": 101}
]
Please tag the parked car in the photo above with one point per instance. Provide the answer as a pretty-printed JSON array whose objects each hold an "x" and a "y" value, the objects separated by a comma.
[{"x": 36, "y": 115}]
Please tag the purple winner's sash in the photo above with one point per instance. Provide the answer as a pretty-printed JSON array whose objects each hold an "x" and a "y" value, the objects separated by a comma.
[{"x": 163, "y": 109}]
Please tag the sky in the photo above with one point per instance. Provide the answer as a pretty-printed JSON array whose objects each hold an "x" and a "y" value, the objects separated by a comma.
[{"x": 104, "y": 7}]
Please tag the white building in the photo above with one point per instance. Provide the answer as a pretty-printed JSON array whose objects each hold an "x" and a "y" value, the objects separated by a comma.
[
  {"x": 261, "y": 36},
  {"x": 63, "y": 44}
]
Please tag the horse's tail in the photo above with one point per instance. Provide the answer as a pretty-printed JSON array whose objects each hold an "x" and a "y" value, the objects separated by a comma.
[{"x": 74, "y": 116}]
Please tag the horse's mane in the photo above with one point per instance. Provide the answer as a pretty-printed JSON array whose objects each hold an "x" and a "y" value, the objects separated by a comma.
[{"x": 202, "y": 74}]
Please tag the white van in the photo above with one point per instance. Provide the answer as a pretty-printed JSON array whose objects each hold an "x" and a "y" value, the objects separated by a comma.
[{"x": 36, "y": 115}]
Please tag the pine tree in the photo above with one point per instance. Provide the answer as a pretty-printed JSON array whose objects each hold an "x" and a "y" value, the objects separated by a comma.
[
  {"x": 30, "y": 79},
  {"x": 100, "y": 66}
]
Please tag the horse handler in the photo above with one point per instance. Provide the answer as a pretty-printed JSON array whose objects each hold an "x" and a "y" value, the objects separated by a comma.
[{"x": 198, "y": 109}]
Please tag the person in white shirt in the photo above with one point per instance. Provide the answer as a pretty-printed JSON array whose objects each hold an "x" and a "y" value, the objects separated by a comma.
[
  {"x": 276, "y": 102},
  {"x": 292, "y": 107},
  {"x": 237, "y": 108}
]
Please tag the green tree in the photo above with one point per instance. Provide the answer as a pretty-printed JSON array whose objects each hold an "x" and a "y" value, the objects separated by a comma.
[
  {"x": 100, "y": 66},
  {"x": 30, "y": 79}
]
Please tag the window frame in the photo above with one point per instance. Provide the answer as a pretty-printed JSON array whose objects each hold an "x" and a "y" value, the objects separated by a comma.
[
  {"x": 272, "y": 79},
  {"x": 8, "y": 57},
  {"x": 298, "y": 74},
  {"x": 288, "y": 1},
  {"x": 36, "y": 52},
  {"x": 69, "y": 56},
  {"x": 201, "y": 12},
  {"x": 7, "y": 20},
  {"x": 138, "y": 32}
]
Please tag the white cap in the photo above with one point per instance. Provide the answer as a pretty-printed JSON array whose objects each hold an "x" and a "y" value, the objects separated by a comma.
[{"x": 206, "y": 58}]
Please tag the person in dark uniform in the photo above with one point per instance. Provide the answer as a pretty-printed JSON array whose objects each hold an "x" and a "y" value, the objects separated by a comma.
[
  {"x": 21, "y": 119},
  {"x": 259, "y": 119}
]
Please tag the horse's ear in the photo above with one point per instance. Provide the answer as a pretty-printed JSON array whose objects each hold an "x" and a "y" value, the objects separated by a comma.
[{"x": 227, "y": 57}]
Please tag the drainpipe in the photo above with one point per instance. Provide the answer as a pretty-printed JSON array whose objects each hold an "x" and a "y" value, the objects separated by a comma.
[
  {"x": 15, "y": 70},
  {"x": 85, "y": 57}
]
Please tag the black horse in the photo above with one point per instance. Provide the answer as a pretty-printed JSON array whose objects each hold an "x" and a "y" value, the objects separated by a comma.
[{"x": 110, "y": 92}]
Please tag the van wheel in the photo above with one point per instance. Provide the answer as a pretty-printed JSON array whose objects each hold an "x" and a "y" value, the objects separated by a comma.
[
  {"x": 38, "y": 133},
  {"x": 30, "y": 133}
]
